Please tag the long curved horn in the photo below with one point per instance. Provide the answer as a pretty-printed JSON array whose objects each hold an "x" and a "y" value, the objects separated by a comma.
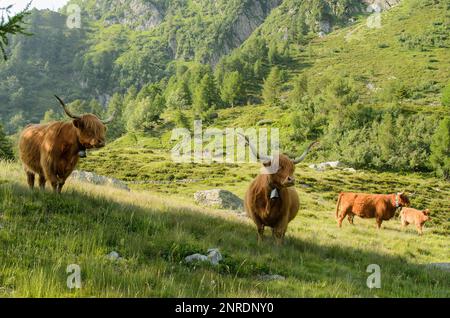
[
  {"x": 303, "y": 156},
  {"x": 253, "y": 149},
  {"x": 110, "y": 119},
  {"x": 68, "y": 113}
]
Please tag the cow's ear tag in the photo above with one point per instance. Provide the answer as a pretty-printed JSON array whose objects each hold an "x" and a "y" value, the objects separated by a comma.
[{"x": 274, "y": 194}]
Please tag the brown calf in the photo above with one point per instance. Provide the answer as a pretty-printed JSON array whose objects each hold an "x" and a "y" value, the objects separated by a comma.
[{"x": 416, "y": 217}]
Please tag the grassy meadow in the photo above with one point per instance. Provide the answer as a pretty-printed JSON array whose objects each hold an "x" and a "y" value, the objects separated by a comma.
[{"x": 153, "y": 230}]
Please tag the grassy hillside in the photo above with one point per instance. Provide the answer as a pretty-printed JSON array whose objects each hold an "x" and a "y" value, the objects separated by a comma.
[
  {"x": 407, "y": 56},
  {"x": 409, "y": 52},
  {"x": 42, "y": 233}
]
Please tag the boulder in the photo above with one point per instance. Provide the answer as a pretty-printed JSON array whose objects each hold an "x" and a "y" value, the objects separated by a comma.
[
  {"x": 214, "y": 257},
  {"x": 90, "y": 177},
  {"x": 113, "y": 256},
  {"x": 326, "y": 165},
  {"x": 218, "y": 198},
  {"x": 443, "y": 266}
]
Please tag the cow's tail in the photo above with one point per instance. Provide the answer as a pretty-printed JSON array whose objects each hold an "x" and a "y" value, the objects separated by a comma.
[{"x": 338, "y": 204}]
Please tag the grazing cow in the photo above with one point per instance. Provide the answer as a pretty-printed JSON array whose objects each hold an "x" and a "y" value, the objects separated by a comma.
[
  {"x": 379, "y": 206},
  {"x": 52, "y": 150},
  {"x": 271, "y": 199},
  {"x": 417, "y": 217}
]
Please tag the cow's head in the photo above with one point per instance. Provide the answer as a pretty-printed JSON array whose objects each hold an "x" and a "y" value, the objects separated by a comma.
[
  {"x": 91, "y": 131},
  {"x": 282, "y": 170},
  {"x": 426, "y": 215},
  {"x": 403, "y": 199}
]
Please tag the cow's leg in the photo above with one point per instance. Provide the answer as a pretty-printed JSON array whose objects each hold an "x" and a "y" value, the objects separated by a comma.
[
  {"x": 260, "y": 228},
  {"x": 53, "y": 181},
  {"x": 42, "y": 182},
  {"x": 350, "y": 218},
  {"x": 54, "y": 186},
  {"x": 419, "y": 229},
  {"x": 60, "y": 186},
  {"x": 379, "y": 221},
  {"x": 404, "y": 223},
  {"x": 342, "y": 216},
  {"x": 278, "y": 234},
  {"x": 30, "y": 179},
  {"x": 279, "y": 230}
]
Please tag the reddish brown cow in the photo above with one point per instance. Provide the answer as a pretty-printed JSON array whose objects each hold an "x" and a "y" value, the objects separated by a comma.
[
  {"x": 52, "y": 150},
  {"x": 417, "y": 217},
  {"x": 379, "y": 206},
  {"x": 271, "y": 199}
]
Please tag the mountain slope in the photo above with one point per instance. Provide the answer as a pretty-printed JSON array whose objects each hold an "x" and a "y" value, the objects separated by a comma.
[{"x": 119, "y": 45}]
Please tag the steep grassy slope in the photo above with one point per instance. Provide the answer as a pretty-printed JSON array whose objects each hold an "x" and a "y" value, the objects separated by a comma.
[
  {"x": 42, "y": 233},
  {"x": 404, "y": 59},
  {"x": 408, "y": 53}
]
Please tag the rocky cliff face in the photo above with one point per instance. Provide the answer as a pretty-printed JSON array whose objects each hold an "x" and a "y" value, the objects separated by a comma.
[
  {"x": 173, "y": 18},
  {"x": 384, "y": 4},
  {"x": 251, "y": 16},
  {"x": 136, "y": 14}
]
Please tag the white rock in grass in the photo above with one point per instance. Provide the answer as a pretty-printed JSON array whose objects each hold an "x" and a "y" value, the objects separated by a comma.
[
  {"x": 443, "y": 266},
  {"x": 271, "y": 277},
  {"x": 196, "y": 257},
  {"x": 214, "y": 256},
  {"x": 114, "y": 256}
]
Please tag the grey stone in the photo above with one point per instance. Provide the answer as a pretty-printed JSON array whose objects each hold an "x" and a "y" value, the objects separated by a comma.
[
  {"x": 196, "y": 257},
  {"x": 90, "y": 177},
  {"x": 443, "y": 266},
  {"x": 326, "y": 165},
  {"x": 213, "y": 257},
  {"x": 114, "y": 256},
  {"x": 218, "y": 198}
]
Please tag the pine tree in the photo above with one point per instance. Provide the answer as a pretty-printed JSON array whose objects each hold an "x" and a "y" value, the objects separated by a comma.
[
  {"x": 179, "y": 97},
  {"x": 300, "y": 89},
  {"x": 117, "y": 127},
  {"x": 206, "y": 95},
  {"x": 272, "y": 87},
  {"x": 233, "y": 88},
  {"x": 10, "y": 25},
  {"x": 440, "y": 149},
  {"x": 6, "y": 151}
]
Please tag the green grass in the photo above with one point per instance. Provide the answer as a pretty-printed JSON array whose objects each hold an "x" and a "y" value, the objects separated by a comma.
[{"x": 42, "y": 233}]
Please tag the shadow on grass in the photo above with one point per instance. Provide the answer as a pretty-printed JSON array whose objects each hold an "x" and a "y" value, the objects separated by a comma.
[{"x": 42, "y": 223}]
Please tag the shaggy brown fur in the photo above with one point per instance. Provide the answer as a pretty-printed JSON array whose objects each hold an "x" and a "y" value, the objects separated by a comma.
[
  {"x": 51, "y": 150},
  {"x": 379, "y": 206},
  {"x": 276, "y": 212},
  {"x": 416, "y": 217}
]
